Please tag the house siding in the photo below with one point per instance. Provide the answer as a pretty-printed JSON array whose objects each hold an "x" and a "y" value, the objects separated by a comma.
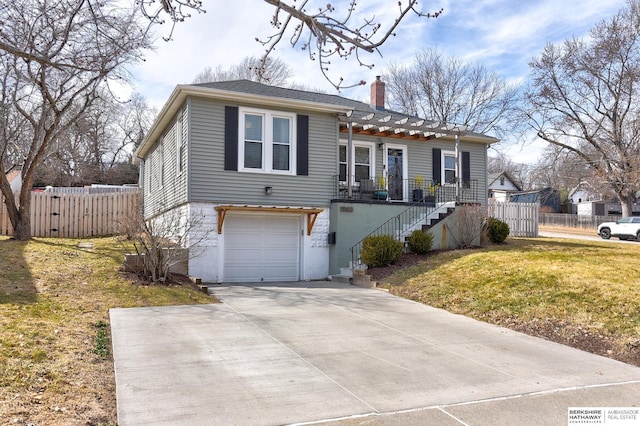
[
  {"x": 164, "y": 187},
  {"x": 210, "y": 182}
]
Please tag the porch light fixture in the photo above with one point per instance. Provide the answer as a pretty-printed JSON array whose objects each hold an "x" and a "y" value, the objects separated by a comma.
[{"x": 268, "y": 190}]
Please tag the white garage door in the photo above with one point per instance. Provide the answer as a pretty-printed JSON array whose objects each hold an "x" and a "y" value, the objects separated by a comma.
[{"x": 261, "y": 248}]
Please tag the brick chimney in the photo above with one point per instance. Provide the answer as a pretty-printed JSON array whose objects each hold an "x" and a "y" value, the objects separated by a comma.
[{"x": 377, "y": 93}]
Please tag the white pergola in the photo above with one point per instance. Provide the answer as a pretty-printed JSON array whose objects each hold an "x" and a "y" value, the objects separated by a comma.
[{"x": 386, "y": 124}]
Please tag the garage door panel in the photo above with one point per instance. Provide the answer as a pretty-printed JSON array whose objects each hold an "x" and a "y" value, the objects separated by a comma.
[
  {"x": 279, "y": 257},
  {"x": 261, "y": 248},
  {"x": 241, "y": 254},
  {"x": 241, "y": 273},
  {"x": 282, "y": 224},
  {"x": 280, "y": 274}
]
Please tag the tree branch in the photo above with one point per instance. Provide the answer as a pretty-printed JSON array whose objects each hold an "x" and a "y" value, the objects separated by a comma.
[{"x": 331, "y": 36}]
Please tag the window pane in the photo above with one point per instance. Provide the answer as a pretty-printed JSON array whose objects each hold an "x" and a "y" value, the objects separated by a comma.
[
  {"x": 362, "y": 172},
  {"x": 362, "y": 155},
  {"x": 342, "y": 154},
  {"x": 253, "y": 155},
  {"x": 280, "y": 157},
  {"x": 281, "y": 130},
  {"x": 253, "y": 127},
  {"x": 449, "y": 176},
  {"x": 343, "y": 173},
  {"x": 449, "y": 162}
]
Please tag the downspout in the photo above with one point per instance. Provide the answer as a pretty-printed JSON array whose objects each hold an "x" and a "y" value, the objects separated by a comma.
[
  {"x": 349, "y": 165},
  {"x": 458, "y": 168}
]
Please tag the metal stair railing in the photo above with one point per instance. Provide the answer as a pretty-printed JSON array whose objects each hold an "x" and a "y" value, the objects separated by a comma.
[{"x": 397, "y": 227}]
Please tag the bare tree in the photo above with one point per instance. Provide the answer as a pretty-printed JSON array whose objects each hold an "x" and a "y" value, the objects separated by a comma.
[
  {"x": 128, "y": 124},
  {"x": 585, "y": 98},
  {"x": 175, "y": 10},
  {"x": 452, "y": 91},
  {"x": 163, "y": 242},
  {"x": 97, "y": 147},
  {"x": 519, "y": 172},
  {"x": 54, "y": 56},
  {"x": 559, "y": 169},
  {"x": 273, "y": 72},
  {"x": 325, "y": 33}
]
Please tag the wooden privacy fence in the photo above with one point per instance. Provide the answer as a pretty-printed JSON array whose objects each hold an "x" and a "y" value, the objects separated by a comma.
[
  {"x": 522, "y": 218},
  {"x": 75, "y": 215}
]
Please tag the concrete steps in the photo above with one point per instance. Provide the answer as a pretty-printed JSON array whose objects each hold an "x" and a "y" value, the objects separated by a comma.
[{"x": 359, "y": 278}]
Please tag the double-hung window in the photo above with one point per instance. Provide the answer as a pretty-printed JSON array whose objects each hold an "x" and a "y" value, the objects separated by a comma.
[
  {"x": 267, "y": 142},
  {"x": 342, "y": 163},
  {"x": 449, "y": 167},
  {"x": 362, "y": 162}
]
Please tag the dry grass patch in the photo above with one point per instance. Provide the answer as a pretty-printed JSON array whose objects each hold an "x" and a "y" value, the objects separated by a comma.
[
  {"x": 589, "y": 232},
  {"x": 582, "y": 293},
  {"x": 55, "y": 352}
]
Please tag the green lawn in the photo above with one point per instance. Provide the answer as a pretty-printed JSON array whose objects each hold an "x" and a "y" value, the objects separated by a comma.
[
  {"x": 55, "y": 353},
  {"x": 591, "y": 288}
]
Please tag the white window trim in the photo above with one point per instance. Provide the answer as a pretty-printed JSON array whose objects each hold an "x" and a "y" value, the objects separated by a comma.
[
  {"x": 405, "y": 166},
  {"x": 456, "y": 169},
  {"x": 351, "y": 158},
  {"x": 267, "y": 141}
]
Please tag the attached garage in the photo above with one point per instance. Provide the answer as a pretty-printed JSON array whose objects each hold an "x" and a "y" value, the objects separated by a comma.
[{"x": 261, "y": 247}]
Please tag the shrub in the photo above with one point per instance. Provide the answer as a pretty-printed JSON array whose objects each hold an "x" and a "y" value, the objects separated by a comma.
[
  {"x": 380, "y": 250},
  {"x": 468, "y": 225},
  {"x": 420, "y": 242},
  {"x": 497, "y": 230}
]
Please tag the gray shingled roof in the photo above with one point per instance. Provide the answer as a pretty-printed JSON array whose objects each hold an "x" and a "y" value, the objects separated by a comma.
[
  {"x": 248, "y": 86},
  {"x": 363, "y": 115}
]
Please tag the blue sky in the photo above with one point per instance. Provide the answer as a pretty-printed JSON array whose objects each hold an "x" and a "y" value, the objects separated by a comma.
[{"x": 502, "y": 34}]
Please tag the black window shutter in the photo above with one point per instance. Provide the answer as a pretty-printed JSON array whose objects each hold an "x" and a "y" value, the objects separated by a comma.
[
  {"x": 466, "y": 169},
  {"x": 437, "y": 165},
  {"x": 302, "y": 148},
  {"x": 231, "y": 138}
]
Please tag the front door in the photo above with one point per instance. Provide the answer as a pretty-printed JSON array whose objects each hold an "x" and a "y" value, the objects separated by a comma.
[{"x": 396, "y": 167}]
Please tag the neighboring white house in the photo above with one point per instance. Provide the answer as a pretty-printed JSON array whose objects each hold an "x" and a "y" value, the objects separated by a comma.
[
  {"x": 501, "y": 186},
  {"x": 584, "y": 191}
]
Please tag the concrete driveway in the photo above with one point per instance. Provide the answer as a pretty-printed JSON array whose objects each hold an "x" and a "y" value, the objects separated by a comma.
[{"x": 328, "y": 353}]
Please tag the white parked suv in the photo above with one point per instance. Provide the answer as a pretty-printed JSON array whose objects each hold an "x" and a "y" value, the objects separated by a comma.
[{"x": 626, "y": 228}]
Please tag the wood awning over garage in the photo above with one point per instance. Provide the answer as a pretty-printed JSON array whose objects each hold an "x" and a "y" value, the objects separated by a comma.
[{"x": 310, "y": 212}]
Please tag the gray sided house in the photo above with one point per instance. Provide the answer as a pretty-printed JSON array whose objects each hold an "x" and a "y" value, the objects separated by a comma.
[
  {"x": 548, "y": 199},
  {"x": 286, "y": 181}
]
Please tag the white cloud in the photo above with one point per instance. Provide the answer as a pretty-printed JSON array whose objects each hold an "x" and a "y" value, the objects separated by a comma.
[{"x": 502, "y": 34}]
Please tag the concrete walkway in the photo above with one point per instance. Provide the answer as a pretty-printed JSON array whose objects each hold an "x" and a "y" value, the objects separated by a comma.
[{"x": 327, "y": 353}]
